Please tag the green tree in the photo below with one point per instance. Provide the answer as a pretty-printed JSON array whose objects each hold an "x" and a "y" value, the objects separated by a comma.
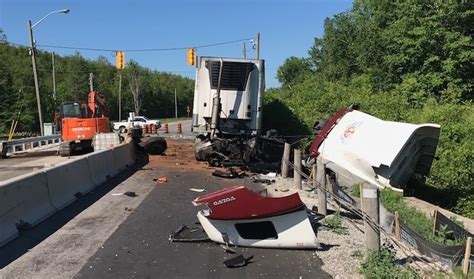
[{"x": 293, "y": 69}]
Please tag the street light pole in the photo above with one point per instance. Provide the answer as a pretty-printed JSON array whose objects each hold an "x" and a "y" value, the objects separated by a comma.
[
  {"x": 33, "y": 61},
  {"x": 35, "y": 76}
]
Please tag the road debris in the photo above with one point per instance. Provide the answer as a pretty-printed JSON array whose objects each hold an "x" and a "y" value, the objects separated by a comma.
[
  {"x": 239, "y": 261},
  {"x": 153, "y": 145},
  {"x": 228, "y": 249},
  {"x": 231, "y": 173},
  {"x": 128, "y": 193},
  {"x": 197, "y": 190},
  {"x": 260, "y": 179},
  {"x": 185, "y": 234},
  {"x": 162, "y": 180}
]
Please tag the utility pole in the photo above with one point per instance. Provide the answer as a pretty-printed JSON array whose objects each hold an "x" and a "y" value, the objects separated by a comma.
[
  {"x": 120, "y": 97},
  {"x": 33, "y": 60},
  {"x": 175, "y": 104},
  {"x": 54, "y": 77},
  {"x": 35, "y": 76},
  {"x": 244, "y": 51},
  {"x": 91, "y": 82},
  {"x": 258, "y": 45}
]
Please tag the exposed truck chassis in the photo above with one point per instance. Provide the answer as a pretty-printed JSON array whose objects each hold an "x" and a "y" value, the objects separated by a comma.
[{"x": 262, "y": 153}]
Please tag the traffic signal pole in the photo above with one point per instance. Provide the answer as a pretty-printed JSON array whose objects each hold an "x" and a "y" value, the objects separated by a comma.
[{"x": 120, "y": 97}]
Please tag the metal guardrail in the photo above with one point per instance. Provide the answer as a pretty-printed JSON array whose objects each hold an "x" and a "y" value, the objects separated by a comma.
[{"x": 28, "y": 144}]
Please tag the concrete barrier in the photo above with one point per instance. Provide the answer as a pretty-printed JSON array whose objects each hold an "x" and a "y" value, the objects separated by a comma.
[
  {"x": 67, "y": 179},
  {"x": 24, "y": 202},
  {"x": 99, "y": 167},
  {"x": 109, "y": 162},
  {"x": 31, "y": 198},
  {"x": 124, "y": 156}
]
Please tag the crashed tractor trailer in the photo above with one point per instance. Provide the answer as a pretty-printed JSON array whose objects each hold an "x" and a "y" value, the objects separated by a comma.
[
  {"x": 227, "y": 114},
  {"x": 356, "y": 147}
]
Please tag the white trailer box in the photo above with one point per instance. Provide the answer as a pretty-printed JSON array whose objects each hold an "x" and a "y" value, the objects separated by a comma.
[{"x": 242, "y": 87}]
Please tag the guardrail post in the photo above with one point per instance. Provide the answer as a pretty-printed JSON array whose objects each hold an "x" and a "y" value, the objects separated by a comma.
[
  {"x": 319, "y": 175},
  {"x": 284, "y": 160},
  {"x": 371, "y": 210},
  {"x": 297, "y": 169},
  {"x": 435, "y": 213},
  {"x": 467, "y": 256},
  {"x": 397, "y": 225}
]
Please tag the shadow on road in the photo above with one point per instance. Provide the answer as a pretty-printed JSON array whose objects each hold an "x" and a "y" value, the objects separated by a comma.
[{"x": 32, "y": 237}]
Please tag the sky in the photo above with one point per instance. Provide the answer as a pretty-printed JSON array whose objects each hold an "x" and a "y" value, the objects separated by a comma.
[{"x": 287, "y": 28}]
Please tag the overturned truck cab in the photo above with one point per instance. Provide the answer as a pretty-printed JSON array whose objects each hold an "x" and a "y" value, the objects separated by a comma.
[
  {"x": 357, "y": 147},
  {"x": 238, "y": 216}
]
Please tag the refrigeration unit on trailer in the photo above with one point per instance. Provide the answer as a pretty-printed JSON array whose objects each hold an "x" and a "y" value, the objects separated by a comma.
[
  {"x": 227, "y": 113},
  {"x": 237, "y": 85}
]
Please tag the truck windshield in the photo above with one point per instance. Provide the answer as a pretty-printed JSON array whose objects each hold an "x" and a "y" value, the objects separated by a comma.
[{"x": 72, "y": 110}]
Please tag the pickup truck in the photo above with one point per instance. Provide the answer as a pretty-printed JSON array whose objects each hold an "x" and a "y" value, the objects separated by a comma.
[{"x": 136, "y": 121}]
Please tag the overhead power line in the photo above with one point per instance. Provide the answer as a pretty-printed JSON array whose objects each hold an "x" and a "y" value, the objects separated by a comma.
[{"x": 137, "y": 50}]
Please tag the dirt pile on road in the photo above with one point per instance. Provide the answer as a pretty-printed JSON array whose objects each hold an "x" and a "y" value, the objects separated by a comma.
[{"x": 179, "y": 154}]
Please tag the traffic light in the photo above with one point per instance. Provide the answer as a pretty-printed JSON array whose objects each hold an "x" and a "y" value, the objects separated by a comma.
[
  {"x": 191, "y": 56},
  {"x": 120, "y": 60}
]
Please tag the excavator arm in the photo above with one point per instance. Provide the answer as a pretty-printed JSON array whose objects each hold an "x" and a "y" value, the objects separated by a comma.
[{"x": 96, "y": 105}]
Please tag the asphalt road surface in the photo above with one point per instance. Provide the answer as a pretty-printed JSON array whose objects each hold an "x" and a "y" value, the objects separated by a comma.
[
  {"x": 27, "y": 162},
  {"x": 127, "y": 237},
  {"x": 139, "y": 248}
]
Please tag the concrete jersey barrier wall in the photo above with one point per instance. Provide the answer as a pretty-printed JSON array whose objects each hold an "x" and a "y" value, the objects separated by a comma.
[
  {"x": 101, "y": 166},
  {"x": 67, "y": 179},
  {"x": 123, "y": 156},
  {"x": 24, "y": 202},
  {"x": 31, "y": 198}
]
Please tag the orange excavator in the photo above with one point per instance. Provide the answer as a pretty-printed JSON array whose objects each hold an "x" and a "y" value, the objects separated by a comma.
[{"x": 79, "y": 123}]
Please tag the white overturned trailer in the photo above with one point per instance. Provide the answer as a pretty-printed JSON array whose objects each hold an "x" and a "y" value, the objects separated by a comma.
[{"x": 357, "y": 147}]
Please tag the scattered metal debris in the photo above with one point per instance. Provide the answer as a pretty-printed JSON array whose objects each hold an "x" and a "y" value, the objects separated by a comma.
[
  {"x": 228, "y": 249},
  {"x": 185, "y": 234}
]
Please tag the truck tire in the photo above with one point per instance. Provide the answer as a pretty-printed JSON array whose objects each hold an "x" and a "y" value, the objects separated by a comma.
[{"x": 122, "y": 130}]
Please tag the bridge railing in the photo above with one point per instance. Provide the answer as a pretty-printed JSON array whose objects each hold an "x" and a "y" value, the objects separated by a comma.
[{"x": 28, "y": 144}]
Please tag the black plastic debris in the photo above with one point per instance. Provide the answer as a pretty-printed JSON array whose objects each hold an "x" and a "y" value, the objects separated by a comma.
[
  {"x": 130, "y": 194},
  {"x": 256, "y": 179},
  {"x": 225, "y": 174},
  {"x": 239, "y": 261}
]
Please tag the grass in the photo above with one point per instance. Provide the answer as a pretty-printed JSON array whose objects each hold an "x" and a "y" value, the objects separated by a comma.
[
  {"x": 169, "y": 120},
  {"x": 415, "y": 219},
  {"x": 382, "y": 264},
  {"x": 334, "y": 223}
]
